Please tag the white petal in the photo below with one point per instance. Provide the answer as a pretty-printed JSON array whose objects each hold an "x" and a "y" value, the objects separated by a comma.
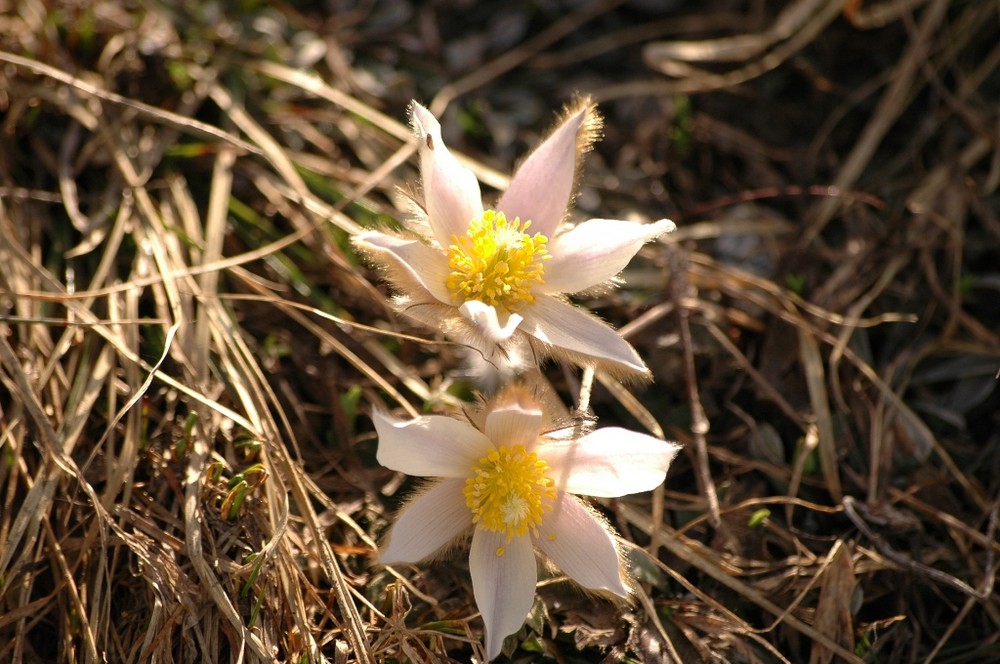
[
  {"x": 562, "y": 325},
  {"x": 595, "y": 251},
  {"x": 486, "y": 318},
  {"x": 581, "y": 546},
  {"x": 504, "y": 585},
  {"x": 514, "y": 425},
  {"x": 608, "y": 462},
  {"x": 451, "y": 191},
  {"x": 429, "y": 446},
  {"x": 426, "y": 265},
  {"x": 428, "y": 523},
  {"x": 541, "y": 187}
]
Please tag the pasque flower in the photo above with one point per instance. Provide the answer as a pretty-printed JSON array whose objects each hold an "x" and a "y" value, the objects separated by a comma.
[
  {"x": 507, "y": 476},
  {"x": 498, "y": 278}
]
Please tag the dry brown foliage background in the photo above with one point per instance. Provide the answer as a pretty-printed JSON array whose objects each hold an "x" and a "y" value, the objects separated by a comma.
[{"x": 188, "y": 344}]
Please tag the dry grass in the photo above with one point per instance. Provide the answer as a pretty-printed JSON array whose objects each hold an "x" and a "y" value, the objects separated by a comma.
[{"x": 188, "y": 344}]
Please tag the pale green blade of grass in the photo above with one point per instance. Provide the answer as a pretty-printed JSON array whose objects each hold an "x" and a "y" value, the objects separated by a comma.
[{"x": 812, "y": 365}]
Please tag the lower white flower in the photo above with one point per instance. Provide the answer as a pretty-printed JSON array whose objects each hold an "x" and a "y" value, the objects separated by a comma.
[{"x": 512, "y": 482}]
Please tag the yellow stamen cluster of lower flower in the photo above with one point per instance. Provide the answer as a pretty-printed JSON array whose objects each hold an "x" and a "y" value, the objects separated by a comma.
[
  {"x": 508, "y": 492},
  {"x": 496, "y": 262}
]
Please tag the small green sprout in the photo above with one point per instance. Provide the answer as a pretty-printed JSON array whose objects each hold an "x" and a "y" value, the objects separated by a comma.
[
  {"x": 249, "y": 443},
  {"x": 758, "y": 518},
  {"x": 242, "y": 485}
]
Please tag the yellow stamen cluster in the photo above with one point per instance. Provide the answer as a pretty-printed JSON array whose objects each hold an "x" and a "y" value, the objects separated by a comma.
[
  {"x": 496, "y": 262},
  {"x": 509, "y": 491}
]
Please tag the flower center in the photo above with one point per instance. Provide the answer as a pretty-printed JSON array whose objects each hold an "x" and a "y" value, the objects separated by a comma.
[
  {"x": 509, "y": 491},
  {"x": 496, "y": 262}
]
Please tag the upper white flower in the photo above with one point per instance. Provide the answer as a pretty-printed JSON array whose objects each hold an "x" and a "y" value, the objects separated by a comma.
[
  {"x": 511, "y": 482},
  {"x": 497, "y": 278}
]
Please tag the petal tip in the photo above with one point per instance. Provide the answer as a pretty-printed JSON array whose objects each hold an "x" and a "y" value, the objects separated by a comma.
[
  {"x": 664, "y": 226},
  {"x": 619, "y": 589},
  {"x": 421, "y": 119}
]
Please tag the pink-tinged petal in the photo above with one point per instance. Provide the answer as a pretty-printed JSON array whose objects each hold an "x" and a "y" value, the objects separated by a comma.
[
  {"x": 428, "y": 523},
  {"x": 513, "y": 425},
  {"x": 541, "y": 188},
  {"x": 595, "y": 251},
  {"x": 504, "y": 585},
  {"x": 451, "y": 191},
  {"x": 429, "y": 446},
  {"x": 608, "y": 462},
  {"x": 580, "y": 545},
  {"x": 426, "y": 265},
  {"x": 564, "y": 326},
  {"x": 487, "y": 320}
]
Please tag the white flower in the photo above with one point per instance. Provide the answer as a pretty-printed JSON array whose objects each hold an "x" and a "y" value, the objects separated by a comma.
[
  {"x": 498, "y": 278},
  {"x": 511, "y": 482}
]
